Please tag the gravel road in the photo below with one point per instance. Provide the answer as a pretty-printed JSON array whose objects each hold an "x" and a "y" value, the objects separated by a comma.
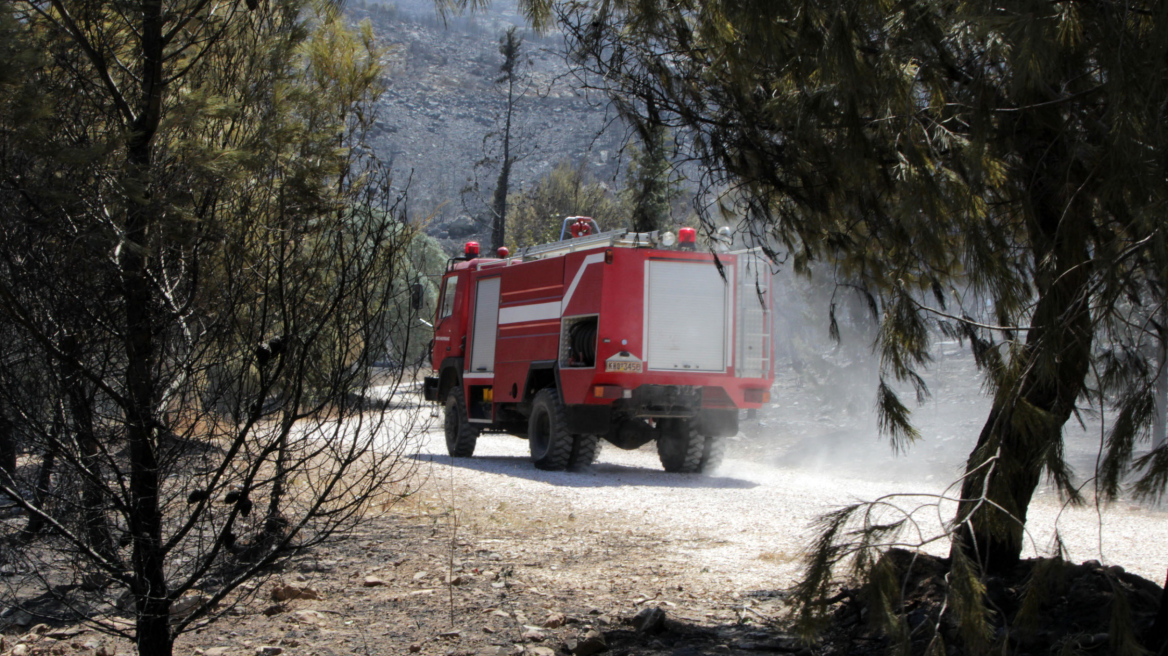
[{"x": 743, "y": 528}]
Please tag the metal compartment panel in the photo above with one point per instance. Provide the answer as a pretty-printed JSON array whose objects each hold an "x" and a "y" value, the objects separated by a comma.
[{"x": 686, "y": 316}]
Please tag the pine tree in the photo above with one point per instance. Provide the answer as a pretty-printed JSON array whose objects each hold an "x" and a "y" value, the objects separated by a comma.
[
  {"x": 649, "y": 192},
  {"x": 989, "y": 169},
  {"x": 510, "y": 46}
]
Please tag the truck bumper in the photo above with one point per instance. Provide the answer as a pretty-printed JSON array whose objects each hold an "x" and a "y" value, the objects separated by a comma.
[
  {"x": 664, "y": 394},
  {"x": 711, "y": 407}
]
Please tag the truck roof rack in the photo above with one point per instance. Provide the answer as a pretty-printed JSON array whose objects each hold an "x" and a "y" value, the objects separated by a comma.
[{"x": 623, "y": 238}]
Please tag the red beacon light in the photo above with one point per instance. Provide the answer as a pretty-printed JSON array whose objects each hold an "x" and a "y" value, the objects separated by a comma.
[
  {"x": 581, "y": 227},
  {"x": 502, "y": 252},
  {"x": 471, "y": 250},
  {"x": 687, "y": 238}
]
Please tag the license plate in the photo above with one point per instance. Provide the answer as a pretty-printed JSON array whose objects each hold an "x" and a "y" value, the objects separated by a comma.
[{"x": 629, "y": 367}]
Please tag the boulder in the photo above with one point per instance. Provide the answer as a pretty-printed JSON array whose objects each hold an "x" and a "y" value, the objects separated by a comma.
[
  {"x": 289, "y": 592},
  {"x": 649, "y": 620},
  {"x": 372, "y": 581},
  {"x": 590, "y": 643}
]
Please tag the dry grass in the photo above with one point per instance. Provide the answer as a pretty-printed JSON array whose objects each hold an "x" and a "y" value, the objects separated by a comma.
[{"x": 778, "y": 557}]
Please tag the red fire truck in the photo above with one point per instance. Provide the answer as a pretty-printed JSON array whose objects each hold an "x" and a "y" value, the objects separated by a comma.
[{"x": 630, "y": 337}]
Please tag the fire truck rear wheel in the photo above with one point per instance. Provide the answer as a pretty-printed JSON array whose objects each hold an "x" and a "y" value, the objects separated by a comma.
[
  {"x": 585, "y": 448},
  {"x": 712, "y": 453},
  {"x": 680, "y": 446},
  {"x": 461, "y": 437},
  {"x": 547, "y": 432}
]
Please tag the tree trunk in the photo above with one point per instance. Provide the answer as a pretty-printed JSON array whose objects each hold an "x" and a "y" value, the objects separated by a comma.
[
  {"x": 499, "y": 206},
  {"x": 1015, "y": 442},
  {"x": 1157, "y": 638},
  {"x": 1025, "y": 426},
  {"x": 97, "y": 532},
  {"x": 40, "y": 493},
  {"x": 1036, "y": 396},
  {"x": 44, "y": 481},
  {"x": 145, "y": 520},
  {"x": 7, "y": 448},
  {"x": 274, "y": 522},
  {"x": 503, "y": 184},
  {"x": 153, "y": 635}
]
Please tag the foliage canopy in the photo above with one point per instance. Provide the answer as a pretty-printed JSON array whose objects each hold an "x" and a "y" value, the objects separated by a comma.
[{"x": 991, "y": 168}]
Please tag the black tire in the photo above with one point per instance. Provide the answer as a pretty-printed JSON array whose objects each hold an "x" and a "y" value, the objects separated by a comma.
[
  {"x": 551, "y": 445},
  {"x": 712, "y": 453},
  {"x": 461, "y": 436},
  {"x": 680, "y": 446},
  {"x": 585, "y": 448}
]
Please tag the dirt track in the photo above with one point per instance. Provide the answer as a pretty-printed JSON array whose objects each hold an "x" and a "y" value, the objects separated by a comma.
[
  {"x": 743, "y": 527},
  {"x": 715, "y": 552}
]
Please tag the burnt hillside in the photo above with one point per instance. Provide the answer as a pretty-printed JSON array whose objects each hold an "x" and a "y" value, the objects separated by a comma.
[{"x": 441, "y": 104}]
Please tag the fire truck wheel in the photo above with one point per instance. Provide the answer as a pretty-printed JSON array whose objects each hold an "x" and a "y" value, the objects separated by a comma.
[
  {"x": 547, "y": 434},
  {"x": 585, "y": 448},
  {"x": 680, "y": 446},
  {"x": 460, "y": 435},
  {"x": 715, "y": 448}
]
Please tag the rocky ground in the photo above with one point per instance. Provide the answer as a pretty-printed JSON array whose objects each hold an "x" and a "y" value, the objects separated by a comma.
[
  {"x": 483, "y": 577},
  {"x": 495, "y": 557}
]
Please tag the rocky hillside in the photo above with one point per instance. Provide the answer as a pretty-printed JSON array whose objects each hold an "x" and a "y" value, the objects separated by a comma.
[{"x": 441, "y": 104}]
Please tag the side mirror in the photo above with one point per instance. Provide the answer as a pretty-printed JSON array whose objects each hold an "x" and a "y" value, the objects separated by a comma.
[{"x": 416, "y": 295}]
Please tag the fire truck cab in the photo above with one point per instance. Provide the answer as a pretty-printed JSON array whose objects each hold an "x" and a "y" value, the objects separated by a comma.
[{"x": 622, "y": 336}]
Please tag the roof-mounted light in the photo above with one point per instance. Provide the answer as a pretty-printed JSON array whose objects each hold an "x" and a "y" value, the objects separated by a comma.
[
  {"x": 667, "y": 239},
  {"x": 503, "y": 252},
  {"x": 687, "y": 238},
  {"x": 471, "y": 250},
  {"x": 582, "y": 226}
]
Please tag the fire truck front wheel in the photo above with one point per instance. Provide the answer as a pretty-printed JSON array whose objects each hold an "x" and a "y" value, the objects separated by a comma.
[
  {"x": 461, "y": 436},
  {"x": 553, "y": 448}
]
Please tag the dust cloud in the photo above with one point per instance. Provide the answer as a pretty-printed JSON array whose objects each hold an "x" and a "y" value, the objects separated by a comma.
[
  {"x": 821, "y": 423},
  {"x": 827, "y": 422},
  {"x": 822, "y": 414}
]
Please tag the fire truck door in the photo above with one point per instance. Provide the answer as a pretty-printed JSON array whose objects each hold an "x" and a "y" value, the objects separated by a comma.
[{"x": 486, "y": 323}]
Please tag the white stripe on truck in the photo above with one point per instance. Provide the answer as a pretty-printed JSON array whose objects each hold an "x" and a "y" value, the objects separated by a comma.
[
  {"x": 549, "y": 310},
  {"x": 533, "y": 312}
]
